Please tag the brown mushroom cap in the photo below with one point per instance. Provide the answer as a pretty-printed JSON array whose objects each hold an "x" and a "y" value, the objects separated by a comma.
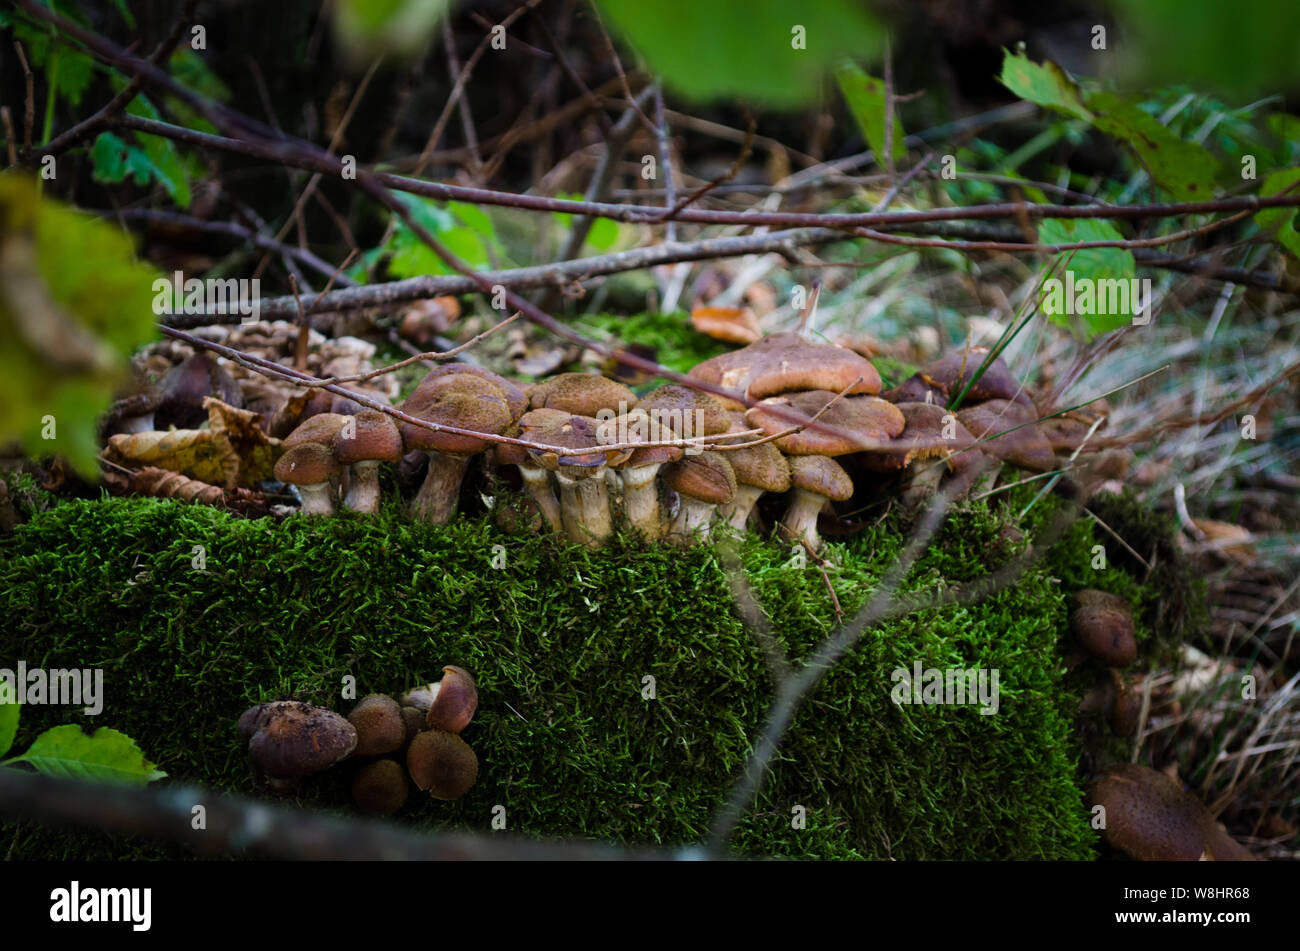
[
  {"x": 786, "y": 362},
  {"x": 683, "y": 411},
  {"x": 1016, "y": 438},
  {"x": 582, "y": 394},
  {"x": 1103, "y": 623},
  {"x": 955, "y": 369},
  {"x": 306, "y": 464},
  {"x": 762, "y": 466},
  {"x": 320, "y": 429},
  {"x": 707, "y": 477},
  {"x": 923, "y": 437},
  {"x": 463, "y": 400},
  {"x": 381, "y": 788},
  {"x": 413, "y": 718},
  {"x": 1149, "y": 816},
  {"x": 442, "y": 763},
  {"x": 514, "y": 396},
  {"x": 581, "y": 434},
  {"x": 455, "y": 702},
  {"x": 916, "y": 389},
  {"x": 851, "y": 424},
  {"x": 821, "y": 476},
  {"x": 379, "y": 725},
  {"x": 291, "y": 739},
  {"x": 375, "y": 437}
]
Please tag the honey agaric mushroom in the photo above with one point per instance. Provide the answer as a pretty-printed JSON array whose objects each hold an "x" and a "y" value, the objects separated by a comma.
[
  {"x": 462, "y": 400},
  {"x": 584, "y": 501},
  {"x": 537, "y": 479},
  {"x": 381, "y": 788},
  {"x": 1148, "y": 816},
  {"x": 582, "y": 394},
  {"x": 442, "y": 764},
  {"x": 850, "y": 424},
  {"x": 916, "y": 389},
  {"x": 1008, "y": 431},
  {"x": 319, "y": 429},
  {"x": 816, "y": 480},
  {"x": 379, "y": 725},
  {"x": 515, "y": 396},
  {"x": 761, "y": 468},
  {"x": 310, "y": 467},
  {"x": 954, "y": 370},
  {"x": 702, "y": 482},
  {"x": 786, "y": 362},
  {"x": 288, "y": 739},
  {"x": 929, "y": 446},
  {"x": 641, "y": 490},
  {"x": 372, "y": 438},
  {"x": 681, "y": 412},
  {"x": 1103, "y": 623},
  {"x": 455, "y": 698}
]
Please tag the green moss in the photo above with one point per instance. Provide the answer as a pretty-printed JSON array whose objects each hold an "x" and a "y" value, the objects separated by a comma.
[
  {"x": 676, "y": 343},
  {"x": 559, "y": 640}
]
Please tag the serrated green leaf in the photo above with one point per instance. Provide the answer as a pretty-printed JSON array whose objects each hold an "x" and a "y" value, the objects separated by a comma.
[
  {"x": 768, "y": 50},
  {"x": 1184, "y": 169},
  {"x": 1044, "y": 84},
  {"x": 866, "y": 98},
  {"x": 105, "y": 756},
  {"x": 9, "y": 710},
  {"x": 1099, "y": 267}
]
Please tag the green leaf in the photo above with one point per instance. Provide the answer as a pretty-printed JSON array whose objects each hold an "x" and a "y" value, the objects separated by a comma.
[
  {"x": 1044, "y": 84},
  {"x": 113, "y": 160},
  {"x": 1183, "y": 169},
  {"x": 1098, "y": 267},
  {"x": 73, "y": 305},
  {"x": 602, "y": 234},
  {"x": 367, "y": 29},
  {"x": 167, "y": 167},
  {"x": 8, "y": 717},
  {"x": 866, "y": 98},
  {"x": 768, "y": 50},
  {"x": 106, "y": 756},
  {"x": 1280, "y": 222}
]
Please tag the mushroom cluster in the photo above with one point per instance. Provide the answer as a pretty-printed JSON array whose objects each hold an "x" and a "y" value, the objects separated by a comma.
[
  {"x": 827, "y": 426},
  {"x": 417, "y": 740}
]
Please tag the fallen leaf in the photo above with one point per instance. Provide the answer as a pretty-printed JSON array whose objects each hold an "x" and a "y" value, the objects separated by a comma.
[{"x": 732, "y": 324}]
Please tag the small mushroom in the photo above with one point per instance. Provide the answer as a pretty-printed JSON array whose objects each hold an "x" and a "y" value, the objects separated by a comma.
[
  {"x": 381, "y": 788},
  {"x": 1148, "y": 816},
  {"x": 442, "y": 764},
  {"x": 816, "y": 480},
  {"x": 582, "y": 394},
  {"x": 584, "y": 499},
  {"x": 954, "y": 370},
  {"x": 310, "y": 467},
  {"x": 288, "y": 739},
  {"x": 849, "y": 425},
  {"x": 930, "y": 445},
  {"x": 758, "y": 469},
  {"x": 379, "y": 725},
  {"x": 703, "y": 482},
  {"x": 1008, "y": 431},
  {"x": 370, "y": 439},
  {"x": 455, "y": 698},
  {"x": 1103, "y": 623}
]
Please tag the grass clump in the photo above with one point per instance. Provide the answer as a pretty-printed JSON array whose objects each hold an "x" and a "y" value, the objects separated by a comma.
[{"x": 560, "y": 640}]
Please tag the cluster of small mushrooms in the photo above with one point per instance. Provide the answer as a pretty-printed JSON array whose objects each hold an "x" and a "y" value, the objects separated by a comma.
[
  {"x": 813, "y": 424},
  {"x": 414, "y": 740}
]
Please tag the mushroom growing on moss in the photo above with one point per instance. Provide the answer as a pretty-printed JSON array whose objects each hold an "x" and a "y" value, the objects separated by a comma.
[
  {"x": 381, "y": 788},
  {"x": 816, "y": 480},
  {"x": 1148, "y": 816},
  {"x": 758, "y": 469},
  {"x": 455, "y": 698},
  {"x": 442, "y": 764},
  {"x": 379, "y": 725},
  {"x": 1009, "y": 431},
  {"x": 288, "y": 739},
  {"x": 584, "y": 499},
  {"x": 703, "y": 482},
  {"x": 371, "y": 438},
  {"x": 931, "y": 445},
  {"x": 1103, "y": 623},
  {"x": 310, "y": 467}
]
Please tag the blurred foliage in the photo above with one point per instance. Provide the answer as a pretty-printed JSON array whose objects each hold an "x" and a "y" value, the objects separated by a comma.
[{"x": 866, "y": 98}]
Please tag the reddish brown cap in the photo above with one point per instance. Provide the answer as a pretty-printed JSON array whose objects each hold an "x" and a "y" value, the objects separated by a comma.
[
  {"x": 290, "y": 739},
  {"x": 378, "y": 722},
  {"x": 582, "y": 394},
  {"x": 320, "y": 429},
  {"x": 1103, "y": 623},
  {"x": 463, "y": 400},
  {"x": 707, "y": 477},
  {"x": 1149, "y": 816},
  {"x": 762, "y": 466},
  {"x": 924, "y": 437},
  {"x": 581, "y": 434},
  {"x": 381, "y": 788},
  {"x": 1014, "y": 429},
  {"x": 306, "y": 464},
  {"x": 515, "y": 397},
  {"x": 455, "y": 702},
  {"x": 821, "y": 476},
  {"x": 375, "y": 437},
  {"x": 786, "y": 362},
  {"x": 916, "y": 389},
  {"x": 442, "y": 763},
  {"x": 851, "y": 423},
  {"x": 954, "y": 370},
  {"x": 685, "y": 411}
]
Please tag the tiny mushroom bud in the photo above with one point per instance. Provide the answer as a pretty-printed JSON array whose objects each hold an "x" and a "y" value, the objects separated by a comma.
[
  {"x": 288, "y": 739},
  {"x": 379, "y": 725},
  {"x": 310, "y": 467},
  {"x": 1103, "y": 623},
  {"x": 442, "y": 764},
  {"x": 381, "y": 788},
  {"x": 454, "y": 702}
]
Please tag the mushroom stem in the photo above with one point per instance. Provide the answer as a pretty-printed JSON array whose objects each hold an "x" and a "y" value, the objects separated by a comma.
[
  {"x": 436, "y": 501},
  {"x": 363, "y": 490},
  {"x": 692, "y": 524},
  {"x": 922, "y": 482},
  {"x": 641, "y": 501},
  {"x": 537, "y": 483},
  {"x": 317, "y": 499},
  {"x": 800, "y": 520},
  {"x": 584, "y": 508},
  {"x": 138, "y": 424},
  {"x": 736, "y": 512}
]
